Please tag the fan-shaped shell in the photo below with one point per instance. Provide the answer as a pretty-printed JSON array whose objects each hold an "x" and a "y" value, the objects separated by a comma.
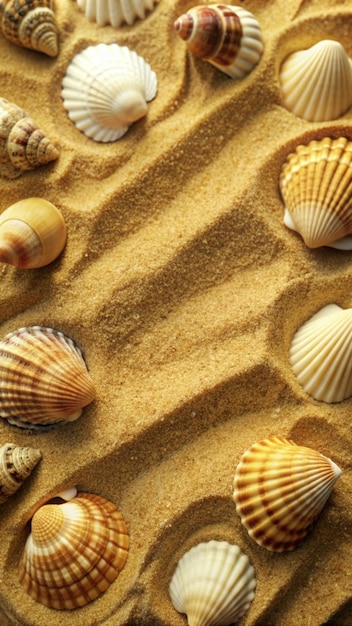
[
  {"x": 316, "y": 187},
  {"x": 229, "y": 37},
  {"x": 321, "y": 354},
  {"x": 106, "y": 88},
  {"x": 16, "y": 464},
  {"x": 30, "y": 24},
  {"x": 214, "y": 584},
  {"x": 115, "y": 12},
  {"x": 43, "y": 378},
  {"x": 23, "y": 146},
  {"x": 280, "y": 489},
  {"x": 316, "y": 84},
  {"x": 74, "y": 552}
]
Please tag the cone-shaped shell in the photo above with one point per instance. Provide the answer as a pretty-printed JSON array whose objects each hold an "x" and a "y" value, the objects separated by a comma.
[
  {"x": 16, "y": 464},
  {"x": 280, "y": 489},
  {"x": 321, "y": 354},
  {"x": 43, "y": 378},
  {"x": 228, "y": 37},
  {"x": 316, "y": 84},
  {"x": 32, "y": 233},
  {"x": 316, "y": 187},
  {"x": 23, "y": 146},
  {"x": 214, "y": 584},
  {"x": 74, "y": 552},
  {"x": 30, "y": 24},
  {"x": 106, "y": 88},
  {"x": 115, "y": 12}
]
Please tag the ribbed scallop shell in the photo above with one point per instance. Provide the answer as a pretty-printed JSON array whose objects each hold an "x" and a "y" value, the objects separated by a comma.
[
  {"x": 115, "y": 12},
  {"x": 214, "y": 584},
  {"x": 43, "y": 378},
  {"x": 106, "y": 89},
  {"x": 321, "y": 354},
  {"x": 30, "y": 24},
  {"x": 74, "y": 552},
  {"x": 280, "y": 489},
  {"x": 316, "y": 84},
  {"x": 23, "y": 146},
  {"x": 16, "y": 464},
  {"x": 229, "y": 37},
  {"x": 316, "y": 187}
]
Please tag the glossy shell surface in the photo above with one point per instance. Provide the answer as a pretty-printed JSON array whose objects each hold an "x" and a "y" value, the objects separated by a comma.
[
  {"x": 16, "y": 465},
  {"x": 30, "y": 24},
  {"x": 115, "y": 12}
]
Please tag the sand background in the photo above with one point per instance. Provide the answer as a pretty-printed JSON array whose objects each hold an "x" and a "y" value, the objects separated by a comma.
[{"x": 183, "y": 288}]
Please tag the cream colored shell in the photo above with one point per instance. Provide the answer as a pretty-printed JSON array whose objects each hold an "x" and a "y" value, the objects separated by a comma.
[
  {"x": 30, "y": 24},
  {"x": 16, "y": 464},
  {"x": 214, "y": 584},
  {"x": 115, "y": 12}
]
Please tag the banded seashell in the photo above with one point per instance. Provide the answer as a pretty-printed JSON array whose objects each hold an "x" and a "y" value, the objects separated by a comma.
[
  {"x": 316, "y": 84},
  {"x": 23, "y": 146},
  {"x": 106, "y": 88},
  {"x": 280, "y": 489},
  {"x": 44, "y": 380},
  {"x": 74, "y": 552},
  {"x": 228, "y": 37},
  {"x": 32, "y": 233},
  {"x": 316, "y": 187},
  {"x": 115, "y": 12},
  {"x": 213, "y": 584},
  {"x": 321, "y": 354},
  {"x": 30, "y": 24},
  {"x": 16, "y": 464}
]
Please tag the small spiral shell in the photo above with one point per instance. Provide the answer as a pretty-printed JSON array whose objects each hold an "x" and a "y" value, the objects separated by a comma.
[
  {"x": 30, "y": 24},
  {"x": 16, "y": 464}
]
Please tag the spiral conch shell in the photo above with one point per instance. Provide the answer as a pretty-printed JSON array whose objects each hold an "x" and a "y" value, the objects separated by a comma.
[
  {"x": 32, "y": 233},
  {"x": 214, "y": 584},
  {"x": 316, "y": 84},
  {"x": 316, "y": 187},
  {"x": 280, "y": 489},
  {"x": 74, "y": 552},
  {"x": 115, "y": 12},
  {"x": 23, "y": 146},
  {"x": 44, "y": 380},
  {"x": 229, "y": 37},
  {"x": 16, "y": 464},
  {"x": 30, "y": 24},
  {"x": 106, "y": 89}
]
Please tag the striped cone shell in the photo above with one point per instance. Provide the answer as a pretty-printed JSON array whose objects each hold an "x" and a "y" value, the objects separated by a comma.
[
  {"x": 30, "y": 24},
  {"x": 16, "y": 464}
]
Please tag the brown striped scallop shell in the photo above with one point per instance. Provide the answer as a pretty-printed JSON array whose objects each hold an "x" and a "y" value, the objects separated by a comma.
[
  {"x": 30, "y": 24},
  {"x": 16, "y": 465}
]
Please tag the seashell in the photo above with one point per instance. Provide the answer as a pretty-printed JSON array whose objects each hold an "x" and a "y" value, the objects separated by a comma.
[
  {"x": 280, "y": 489},
  {"x": 16, "y": 464},
  {"x": 316, "y": 187},
  {"x": 214, "y": 584},
  {"x": 316, "y": 84},
  {"x": 321, "y": 354},
  {"x": 44, "y": 381},
  {"x": 30, "y": 24},
  {"x": 106, "y": 88},
  {"x": 23, "y": 146},
  {"x": 229, "y": 37},
  {"x": 75, "y": 551},
  {"x": 32, "y": 233},
  {"x": 115, "y": 12}
]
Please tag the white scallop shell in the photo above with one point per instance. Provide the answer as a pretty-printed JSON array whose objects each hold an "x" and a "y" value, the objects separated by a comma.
[
  {"x": 213, "y": 584},
  {"x": 316, "y": 83},
  {"x": 106, "y": 88},
  {"x": 115, "y": 12},
  {"x": 321, "y": 354}
]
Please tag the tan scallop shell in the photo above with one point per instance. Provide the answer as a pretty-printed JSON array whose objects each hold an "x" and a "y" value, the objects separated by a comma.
[
  {"x": 16, "y": 464},
  {"x": 30, "y": 24},
  {"x": 43, "y": 378},
  {"x": 32, "y": 233},
  {"x": 214, "y": 584},
  {"x": 115, "y": 12},
  {"x": 74, "y": 552},
  {"x": 321, "y": 354},
  {"x": 228, "y": 37},
  {"x": 280, "y": 489},
  {"x": 316, "y": 187},
  {"x": 316, "y": 83},
  {"x": 23, "y": 146}
]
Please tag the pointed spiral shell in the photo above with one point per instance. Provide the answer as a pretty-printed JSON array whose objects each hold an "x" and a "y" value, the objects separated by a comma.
[
  {"x": 30, "y": 24},
  {"x": 16, "y": 464}
]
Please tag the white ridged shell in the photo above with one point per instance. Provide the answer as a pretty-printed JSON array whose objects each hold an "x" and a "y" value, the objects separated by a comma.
[
  {"x": 316, "y": 83},
  {"x": 115, "y": 12},
  {"x": 16, "y": 464},
  {"x": 214, "y": 584},
  {"x": 106, "y": 88}
]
